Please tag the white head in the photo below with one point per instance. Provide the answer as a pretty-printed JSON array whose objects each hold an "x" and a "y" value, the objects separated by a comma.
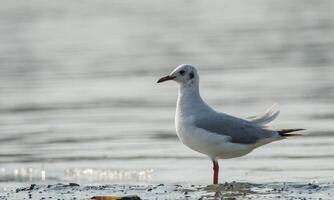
[{"x": 184, "y": 74}]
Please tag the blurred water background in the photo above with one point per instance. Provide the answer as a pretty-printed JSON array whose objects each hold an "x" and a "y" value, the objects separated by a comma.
[{"x": 79, "y": 100}]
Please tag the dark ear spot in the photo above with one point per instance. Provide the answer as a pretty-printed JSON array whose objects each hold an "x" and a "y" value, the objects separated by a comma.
[{"x": 191, "y": 75}]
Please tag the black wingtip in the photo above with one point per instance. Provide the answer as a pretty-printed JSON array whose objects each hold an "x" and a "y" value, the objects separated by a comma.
[{"x": 288, "y": 132}]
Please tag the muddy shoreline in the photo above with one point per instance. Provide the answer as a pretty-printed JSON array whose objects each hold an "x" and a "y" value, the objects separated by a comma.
[{"x": 233, "y": 190}]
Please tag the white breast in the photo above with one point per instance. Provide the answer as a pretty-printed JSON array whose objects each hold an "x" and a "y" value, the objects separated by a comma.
[{"x": 190, "y": 105}]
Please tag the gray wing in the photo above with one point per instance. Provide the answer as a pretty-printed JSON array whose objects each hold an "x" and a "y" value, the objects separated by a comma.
[{"x": 240, "y": 131}]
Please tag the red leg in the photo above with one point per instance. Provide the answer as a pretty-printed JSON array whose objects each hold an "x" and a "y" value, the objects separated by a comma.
[{"x": 215, "y": 171}]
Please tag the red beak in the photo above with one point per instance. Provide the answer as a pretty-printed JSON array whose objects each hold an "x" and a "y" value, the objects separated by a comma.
[{"x": 166, "y": 78}]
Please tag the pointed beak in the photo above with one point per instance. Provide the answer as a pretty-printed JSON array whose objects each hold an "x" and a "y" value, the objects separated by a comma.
[{"x": 165, "y": 78}]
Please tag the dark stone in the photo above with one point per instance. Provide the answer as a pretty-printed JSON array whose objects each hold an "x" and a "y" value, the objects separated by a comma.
[
  {"x": 74, "y": 185},
  {"x": 32, "y": 186}
]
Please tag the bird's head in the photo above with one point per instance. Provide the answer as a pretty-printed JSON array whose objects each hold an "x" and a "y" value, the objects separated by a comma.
[{"x": 184, "y": 74}]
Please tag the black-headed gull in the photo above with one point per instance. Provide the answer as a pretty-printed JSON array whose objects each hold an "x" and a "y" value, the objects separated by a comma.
[{"x": 216, "y": 134}]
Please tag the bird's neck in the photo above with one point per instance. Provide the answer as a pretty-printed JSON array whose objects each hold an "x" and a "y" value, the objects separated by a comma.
[{"x": 189, "y": 99}]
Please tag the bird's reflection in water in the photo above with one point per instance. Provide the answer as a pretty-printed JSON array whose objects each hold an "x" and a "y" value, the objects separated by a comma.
[
  {"x": 218, "y": 196},
  {"x": 229, "y": 190}
]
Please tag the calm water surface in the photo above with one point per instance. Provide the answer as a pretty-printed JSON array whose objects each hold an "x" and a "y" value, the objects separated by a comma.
[{"x": 79, "y": 100}]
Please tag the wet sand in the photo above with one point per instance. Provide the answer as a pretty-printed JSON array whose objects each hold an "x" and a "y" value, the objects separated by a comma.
[{"x": 233, "y": 190}]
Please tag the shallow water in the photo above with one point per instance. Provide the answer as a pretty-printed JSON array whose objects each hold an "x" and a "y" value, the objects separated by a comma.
[{"x": 79, "y": 102}]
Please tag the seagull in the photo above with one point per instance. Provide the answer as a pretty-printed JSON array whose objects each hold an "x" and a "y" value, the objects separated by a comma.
[{"x": 216, "y": 134}]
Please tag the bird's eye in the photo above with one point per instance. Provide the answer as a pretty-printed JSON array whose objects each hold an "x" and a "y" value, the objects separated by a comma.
[{"x": 182, "y": 72}]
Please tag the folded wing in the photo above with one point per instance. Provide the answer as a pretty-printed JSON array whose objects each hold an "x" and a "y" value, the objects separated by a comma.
[{"x": 239, "y": 130}]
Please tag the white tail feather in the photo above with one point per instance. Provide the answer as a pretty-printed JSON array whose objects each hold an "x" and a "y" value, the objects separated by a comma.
[{"x": 268, "y": 116}]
